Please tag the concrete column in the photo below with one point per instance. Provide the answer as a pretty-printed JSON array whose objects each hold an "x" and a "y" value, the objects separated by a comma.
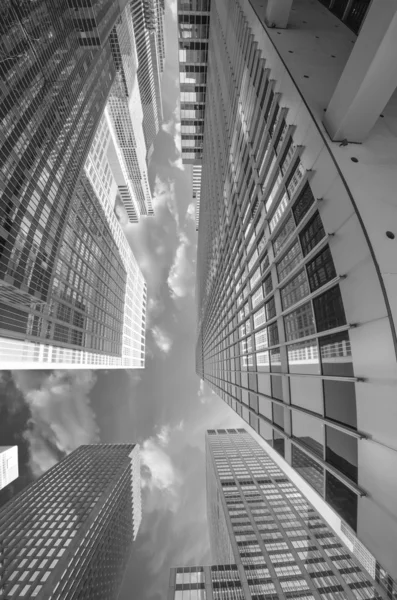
[
  {"x": 277, "y": 13},
  {"x": 369, "y": 77}
]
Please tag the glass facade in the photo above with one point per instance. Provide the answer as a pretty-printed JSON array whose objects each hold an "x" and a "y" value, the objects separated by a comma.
[
  {"x": 72, "y": 530},
  {"x": 281, "y": 547}
]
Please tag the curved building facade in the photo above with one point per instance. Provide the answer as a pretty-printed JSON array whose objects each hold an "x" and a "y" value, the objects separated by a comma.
[{"x": 295, "y": 285}]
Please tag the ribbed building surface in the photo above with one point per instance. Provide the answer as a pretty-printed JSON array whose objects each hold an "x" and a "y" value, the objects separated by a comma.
[
  {"x": 125, "y": 110},
  {"x": 72, "y": 530},
  {"x": 62, "y": 276},
  {"x": 148, "y": 21},
  {"x": 267, "y": 541},
  {"x": 294, "y": 293}
]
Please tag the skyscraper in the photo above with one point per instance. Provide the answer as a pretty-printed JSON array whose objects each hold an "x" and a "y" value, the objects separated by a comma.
[
  {"x": 296, "y": 311},
  {"x": 267, "y": 541},
  {"x": 148, "y": 22},
  {"x": 63, "y": 283},
  {"x": 125, "y": 110},
  {"x": 8, "y": 465},
  {"x": 72, "y": 530},
  {"x": 196, "y": 188}
]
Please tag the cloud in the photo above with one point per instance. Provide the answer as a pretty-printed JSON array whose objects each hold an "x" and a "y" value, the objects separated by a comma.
[
  {"x": 164, "y": 435},
  {"x": 61, "y": 415},
  {"x": 159, "y": 476},
  {"x": 173, "y": 128},
  {"x": 172, "y": 5},
  {"x": 191, "y": 212},
  {"x": 181, "y": 276},
  {"x": 177, "y": 164},
  {"x": 164, "y": 197},
  {"x": 161, "y": 339}
]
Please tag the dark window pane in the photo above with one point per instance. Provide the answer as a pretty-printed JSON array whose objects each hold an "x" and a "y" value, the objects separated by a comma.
[
  {"x": 309, "y": 431},
  {"x": 278, "y": 442},
  {"x": 328, "y": 309},
  {"x": 312, "y": 234},
  {"x": 289, "y": 261},
  {"x": 342, "y": 500},
  {"x": 253, "y": 402},
  {"x": 265, "y": 431},
  {"x": 275, "y": 360},
  {"x": 303, "y": 203},
  {"x": 265, "y": 406},
  {"x": 336, "y": 356},
  {"x": 299, "y": 323},
  {"x": 283, "y": 235},
  {"x": 273, "y": 335},
  {"x": 270, "y": 309},
  {"x": 277, "y": 387},
  {"x": 278, "y": 415},
  {"x": 268, "y": 285},
  {"x": 303, "y": 357},
  {"x": 321, "y": 269},
  {"x": 341, "y": 452},
  {"x": 295, "y": 290},
  {"x": 340, "y": 402},
  {"x": 308, "y": 469}
]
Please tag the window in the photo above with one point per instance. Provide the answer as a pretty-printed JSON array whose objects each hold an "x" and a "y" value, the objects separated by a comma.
[
  {"x": 283, "y": 235},
  {"x": 340, "y": 402},
  {"x": 299, "y": 323},
  {"x": 308, "y": 468},
  {"x": 295, "y": 290},
  {"x": 270, "y": 309},
  {"x": 289, "y": 261},
  {"x": 303, "y": 357},
  {"x": 278, "y": 415},
  {"x": 329, "y": 311},
  {"x": 312, "y": 234},
  {"x": 336, "y": 356},
  {"x": 341, "y": 452},
  {"x": 309, "y": 431},
  {"x": 273, "y": 334},
  {"x": 321, "y": 269},
  {"x": 303, "y": 204},
  {"x": 342, "y": 500}
]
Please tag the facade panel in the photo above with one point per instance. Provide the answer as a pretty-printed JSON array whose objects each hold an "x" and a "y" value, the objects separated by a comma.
[{"x": 8, "y": 465}]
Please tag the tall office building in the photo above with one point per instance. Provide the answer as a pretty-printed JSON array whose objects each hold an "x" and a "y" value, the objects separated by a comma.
[
  {"x": 125, "y": 110},
  {"x": 62, "y": 279},
  {"x": 148, "y": 21},
  {"x": 296, "y": 305},
  {"x": 69, "y": 534},
  {"x": 8, "y": 465},
  {"x": 196, "y": 188},
  {"x": 267, "y": 541}
]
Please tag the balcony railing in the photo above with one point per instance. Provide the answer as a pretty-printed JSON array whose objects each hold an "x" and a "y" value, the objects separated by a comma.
[{"x": 351, "y": 12}]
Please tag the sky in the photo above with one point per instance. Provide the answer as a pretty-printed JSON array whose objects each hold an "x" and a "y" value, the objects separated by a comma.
[{"x": 165, "y": 408}]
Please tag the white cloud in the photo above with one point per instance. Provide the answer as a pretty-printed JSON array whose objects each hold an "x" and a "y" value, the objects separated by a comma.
[
  {"x": 161, "y": 339},
  {"x": 159, "y": 476},
  {"x": 177, "y": 164},
  {"x": 164, "y": 196},
  {"x": 191, "y": 212},
  {"x": 61, "y": 415},
  {"x": 181, "y": 276},
  {"x": 164, "y": 435},
  {"x": 168, "y": 126},
  {"x": 172, "y": 5}
]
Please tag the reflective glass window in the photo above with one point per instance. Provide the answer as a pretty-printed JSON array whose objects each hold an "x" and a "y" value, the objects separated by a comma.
[
  {"x": 312, "y": 234},
  {"x": 336, "y": 356},
  {"x": 265, "y": 407},
  {"x": 270, "y": 309},
  {"x": 303, "y": 204},
  {"x": 300, "y": 322},
  {"x": 307, "y": 392},
  {"x": 262, "y": 361},
  {"x": 309, "y": 431},
  {"x": 278, "y": 415},
  {"x": 261, "y": 340},
  {"x": 273, "y": 334},
  {"x": 341, "y": 499},
  {"x": 278, "y": 444},
  {"x": 295, "y": 290},
  {"x": 289, "y": 261},
  {"x": 283, "y": 235},
  {"x": 341, "y": 452},
  {"x": 303, "y": 357},
  {"x": 321, "y": 269},
  {"x": 275, "y": 359},
  {"x": 277, "y": 387},
  {"x": 340, "y": 402},
  {"x": 308, "y": 468},
  {"x": 265, "y": 431},
  {"x": 329, "y": 311}
]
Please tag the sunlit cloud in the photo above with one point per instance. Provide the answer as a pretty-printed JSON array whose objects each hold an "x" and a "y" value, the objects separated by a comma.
[
  {"x": 159, "y": 475},
  {"x": 177, "y": 164},
  {"x": 61, "y": 415},
  {"x": 172, "y": 5},
  {"x": 161, "y": 339},
  {"x": 191, "y": 212},
  {"x": 181, "y": 275}
]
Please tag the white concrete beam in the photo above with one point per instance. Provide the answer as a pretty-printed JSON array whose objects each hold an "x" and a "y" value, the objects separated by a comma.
[
  {"x": 277, "y": 13},
  {"x": 369, "y": 77}
]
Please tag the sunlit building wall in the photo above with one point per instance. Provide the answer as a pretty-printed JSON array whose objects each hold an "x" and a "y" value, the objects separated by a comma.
[
  {"x": 73, "y": 528},
  {"x": 296, "y": 311},
  {"x": 8, "y": 465},
  {"x": 271, "y": 543}
]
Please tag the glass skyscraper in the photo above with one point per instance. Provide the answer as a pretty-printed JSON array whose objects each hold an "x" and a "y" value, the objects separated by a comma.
[
  {"x": 69, "y": 534},
  {"x": 267, "y": 540},
  {"x": 296, "y": 312},
  {"x": 8, "y": 465},
  {"x": 71, "y": 293}
]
